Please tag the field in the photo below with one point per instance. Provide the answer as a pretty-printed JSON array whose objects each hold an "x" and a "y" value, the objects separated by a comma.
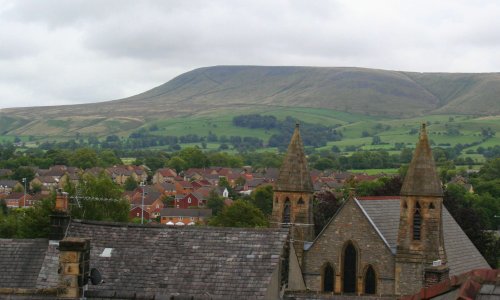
[{"x": 358, "y": 130}]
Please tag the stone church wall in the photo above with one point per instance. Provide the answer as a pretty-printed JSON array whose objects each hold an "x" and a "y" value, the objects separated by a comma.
[{"x": 350, "y": 224}]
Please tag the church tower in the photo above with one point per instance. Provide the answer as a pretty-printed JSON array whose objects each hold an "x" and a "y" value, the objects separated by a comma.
[
  {"x": 293, "y": 196},
  {"x": 420, "y": 256}
]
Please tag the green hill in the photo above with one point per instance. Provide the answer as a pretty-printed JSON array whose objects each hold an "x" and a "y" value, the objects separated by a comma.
[{"x": 317, "y": 92}]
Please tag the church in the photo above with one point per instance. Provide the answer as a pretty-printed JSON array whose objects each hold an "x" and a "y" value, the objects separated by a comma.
[{"x": 381, "y": 246}]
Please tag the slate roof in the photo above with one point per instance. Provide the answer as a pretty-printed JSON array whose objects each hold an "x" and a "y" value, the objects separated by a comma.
[
  {"x": 20, "y": 261},
  {"x": 421, "y": 178},
  {"x": 294, "y": 175},
  {"x": 462, "y": 255},
  {"x": 232, "y": 263},
  {"x": 8, "y": 183}
]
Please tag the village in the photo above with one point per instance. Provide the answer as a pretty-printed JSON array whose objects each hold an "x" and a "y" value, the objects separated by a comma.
[{"x": 168, "y": 198}]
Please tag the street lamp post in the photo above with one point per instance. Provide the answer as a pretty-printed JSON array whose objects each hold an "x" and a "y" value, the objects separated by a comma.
[
  {"x": 142, "y": 203},
  {"x": 24, "y": 180}
]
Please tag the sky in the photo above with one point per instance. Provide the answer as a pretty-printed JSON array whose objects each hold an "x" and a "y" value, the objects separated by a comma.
[{"x": 84, "y": 51}]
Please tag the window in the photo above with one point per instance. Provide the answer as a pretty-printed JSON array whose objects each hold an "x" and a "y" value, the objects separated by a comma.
[
  {"x": 417, "y": 222},
  {"x": 189, "y": 200},
  {"x": 301, "y": 201},
  {"x": 431, "y": 206},
  {"x": 286, "y": 211},
  {"x": 370, "y": 281},
  {"x": 328, "y": 278},
  {"x": 349, "y": 266}
]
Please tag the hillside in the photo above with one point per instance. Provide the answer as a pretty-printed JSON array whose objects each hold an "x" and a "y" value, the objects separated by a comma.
[{"x": 209, "y": 90}]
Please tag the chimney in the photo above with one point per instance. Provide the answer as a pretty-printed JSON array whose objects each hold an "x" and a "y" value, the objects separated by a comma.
[
  {"x": 59, "y": 220},
  {"x": 74, "y": 266}
]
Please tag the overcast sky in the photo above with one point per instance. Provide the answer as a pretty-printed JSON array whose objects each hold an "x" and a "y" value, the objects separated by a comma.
[{"x": 68, "y": 52}]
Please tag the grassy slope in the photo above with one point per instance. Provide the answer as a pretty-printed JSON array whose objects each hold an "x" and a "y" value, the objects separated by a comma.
[{"x": 327, "y": 92}]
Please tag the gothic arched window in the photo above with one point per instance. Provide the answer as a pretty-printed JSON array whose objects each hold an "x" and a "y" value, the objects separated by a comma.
[
  {"x": 301, "y": 201},
  {"x": 370, "y": 281},
  {"x": 286, "y": 211},
  {"x": 328, "y": 278},
  {"x": 349, "y": 265},
  {"x": 417, "y": 223}
]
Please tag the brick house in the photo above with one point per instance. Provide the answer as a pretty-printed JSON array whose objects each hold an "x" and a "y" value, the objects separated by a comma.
[
  {"x": 15, "y": 200},
  {"x": 193, "y": 199},
  {"x": 136, "y": 212},
  {"x": 164, "y": 175}
]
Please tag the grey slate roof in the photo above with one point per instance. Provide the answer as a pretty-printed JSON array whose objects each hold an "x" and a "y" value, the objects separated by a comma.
[
  {"x": 232, "y": 263},
  {"x": 20, "y": 261},
  {"x": 462, "y": 255}
]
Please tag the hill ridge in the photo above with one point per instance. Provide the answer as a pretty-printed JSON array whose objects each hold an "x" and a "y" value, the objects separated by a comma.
[{"x": 373, "y": 92}]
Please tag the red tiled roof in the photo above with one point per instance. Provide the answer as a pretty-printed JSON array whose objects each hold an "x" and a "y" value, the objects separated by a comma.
[{"x": 468, "y": 284}]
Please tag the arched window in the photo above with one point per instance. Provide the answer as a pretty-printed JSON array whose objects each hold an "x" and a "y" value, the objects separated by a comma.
[
  {"x": 431, "y": 206},
  {"x": 301, "y": 201},
  {"x": 286, "y": 211},
  {"x": 370, "y": 281},
  {"x": 417, "y": 222},
  {"x": 349, "y": 269},
  {"x": 328, "y": 278}
]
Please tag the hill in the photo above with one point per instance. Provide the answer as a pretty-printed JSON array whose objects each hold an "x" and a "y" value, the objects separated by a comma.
[{"x": 214, "y": 90}]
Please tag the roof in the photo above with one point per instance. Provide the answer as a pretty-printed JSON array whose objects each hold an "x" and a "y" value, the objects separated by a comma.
[
  {"x": 186, "y": 212},
  {"x": 294, "y": 174},
  {"x": 232, "y": 263},
  {"x": 462, "y": 255},
  {"x": 8, "y": 183},
  {"x": 421, "y": 178},
  {"x": 20, "y": 261},
  {"x": 475, "y": 284}
]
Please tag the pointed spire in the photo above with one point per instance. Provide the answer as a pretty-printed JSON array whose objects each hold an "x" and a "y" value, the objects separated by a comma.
[
  {"x": 421, "y": 178},
  {"x": 294, "y": 175}
]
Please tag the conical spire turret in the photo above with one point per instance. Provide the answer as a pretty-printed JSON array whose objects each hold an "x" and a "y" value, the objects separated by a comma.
[
  {"x": 294, "y": 174},
  {"x": 422, "y": 178}
]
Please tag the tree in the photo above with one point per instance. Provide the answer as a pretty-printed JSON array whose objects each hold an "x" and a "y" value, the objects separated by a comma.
[
  {"x": 108, "y": 158},
  {"x": 194, "y": 157},
  {"x": 240, "y": 214},
  {"x": 35, "y": 221},
  {"x": 84, "y": 158},
  {"x": 325, "y": 207},
  {"x": 23, "y": 172},
  {"x": 215, "y": 202},
  {"x": 262, "y": 198},
  {"x": 130, "y": 184},
  {"x": 177, "y": 163},
  {"x": 100, "y": 199}
]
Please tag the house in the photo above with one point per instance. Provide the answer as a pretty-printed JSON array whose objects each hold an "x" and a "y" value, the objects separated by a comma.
[
  {"x": 120, "y": 174},
  {"x": 183, "y": 187},
  {"x": 153, "y": 200},
  {"x": 8, "y": 186},
  {"x": 384, "y": 246},
  {"x": 167, "y": 188},
  {"x": 193, "y": 199},
  {"x": 5, "y": 173},
  {"x": 15, "y": 200},
  {"x": 182, "y": 216},
  {"x": 164, "y": 175},
  {"x": 48, "y": 184},
  {"x": 138, "y": 213}
]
